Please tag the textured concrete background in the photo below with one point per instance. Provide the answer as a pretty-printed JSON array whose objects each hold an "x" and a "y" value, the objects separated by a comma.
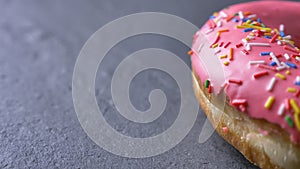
[{"x": 39, "y": 44}]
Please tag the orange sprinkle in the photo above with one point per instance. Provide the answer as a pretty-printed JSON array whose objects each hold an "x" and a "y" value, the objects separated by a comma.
[
  {"x": 231, "y": 54},
  {"x": 229, "y": 18},
  {"x": 190, "y": 52},
  {"x": 223, "y": 30}
]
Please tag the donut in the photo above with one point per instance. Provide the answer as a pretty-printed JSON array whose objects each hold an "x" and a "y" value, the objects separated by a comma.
[{"x": 255, "y": 45}]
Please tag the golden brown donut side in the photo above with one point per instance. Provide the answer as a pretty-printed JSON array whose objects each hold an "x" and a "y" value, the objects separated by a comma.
[{"x": 256, "y": 139}]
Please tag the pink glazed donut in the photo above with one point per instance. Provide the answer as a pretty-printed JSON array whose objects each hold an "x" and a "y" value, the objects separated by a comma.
[{"x": 256, "y": 44}]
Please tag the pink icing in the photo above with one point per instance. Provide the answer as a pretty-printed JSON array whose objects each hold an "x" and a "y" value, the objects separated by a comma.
[{"x": 253, "y": 90}]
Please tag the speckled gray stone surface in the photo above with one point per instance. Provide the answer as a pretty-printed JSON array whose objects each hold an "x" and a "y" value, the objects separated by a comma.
[{"x": 39, "y": 44}]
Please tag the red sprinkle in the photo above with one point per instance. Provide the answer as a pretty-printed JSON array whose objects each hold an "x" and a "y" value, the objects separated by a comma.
[
  {"x": 287, "y": 104},
  {"x": 227, "y": 44},
  {"x": 216, "y": 41},
  {"x": 221, "y": 44},
  {"x": 238, "y": 45},
  {"x": 279, "y": 56},
  {"x": 267, "y": 67},
  {"x": 225, "y": 129},
  {"x": 290, "y": 49},
  {"x": 210, "y": 89},
  {"x": 260, "y": 74},
  {"x": 245, "y": 52},
  {"x": 274, "y": 38},
  {"x": 237, "y": 102},
  {"x": 236, "y": 81},
  {"x": 212, "y": 24},
  {"x": 297, "y": 94}
]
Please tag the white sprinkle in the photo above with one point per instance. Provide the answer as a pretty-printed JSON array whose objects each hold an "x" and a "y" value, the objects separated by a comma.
[
  {"x": 200, "y": 47},
  {"x": 297, "y": 58},
  {"x": 287, "y": 57},
  {"x": 281, "y": 110},
  {"x": 279, "y": 68},
  {"x": 257, "y": 62},
  {"x": 259, "y": 44},
  {"x": 241, "y": 15},
  {"x": 281, "y": 27},
  {"x": 244, "y": 41},
  {"x": 251, "y": 37},
  {"x": 285, "y": 65},
  {"x": 248, "y": 47},
  {"x": 209, "y": 31},
  {"x": 252, "y": 16},
  {"x": 287, "y": 41},
  {"x": 224, "y": 15},
  {"x": 271, "y": 84},
  {"x": 219, "y": 24},
  {"x": 274, "y": 58},
  {"x": 218, "y": 51},
  {"x": 298, "y": 79},
  {"x": 288, "y": 37},
  {"x": 279, "y": 43}
]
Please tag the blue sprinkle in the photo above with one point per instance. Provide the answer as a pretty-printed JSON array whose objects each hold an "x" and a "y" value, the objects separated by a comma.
[
  {"x": 264, "y": 53},
  {"x": 235, "y": 20},
  {"x": 273, "y": 64},
  {"x": 258, "y": 20},
  {"x": 291, "y": 65},
  {"x": 297, "y": 83},
  {"x": 248, "y": 29},
  {"x": 212, "y": 17},
  {"x": 245, "y": 19},
  {"x": 282, "y": 34},
  {"x": 269, "y": 37}
]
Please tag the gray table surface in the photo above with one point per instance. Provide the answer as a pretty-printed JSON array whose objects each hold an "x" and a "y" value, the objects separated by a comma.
[{"x": 39, "y": 44}]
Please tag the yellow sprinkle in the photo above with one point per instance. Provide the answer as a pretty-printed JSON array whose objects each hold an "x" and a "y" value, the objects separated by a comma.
[
  {"x": 215, "y": 14},
  {"x": 297, "y": 49},
  {"x": 295, "y": 106},
  {"x": 281, "y": 76},
  {"x": 269, "y": 102},
  {"x": 258, "y": 27},
  {"x": 276, "y": 30},
  {"x": 247, "y": 39},
  {"x": 280, "y": 38},
  {"x": 223, "y": 56},
  {"x": 288, "y": 72},
  {"x": 251, "y": 34},
  {"x": 291, "y": 90},
  {"x": 226, "y": 63},
  {"x": 214, "y": 45},
  {"x": 268, "y": 34},
  {"x": 291, "y": 42},
  {"x": 218, "y": 34},
  {"x": 297, "y": 120},
  {"x": 248, "y": 22},
  {"x": 241, "y": 26}
]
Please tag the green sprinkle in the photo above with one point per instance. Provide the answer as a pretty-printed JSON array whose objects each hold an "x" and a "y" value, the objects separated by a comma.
[
  {"x": 263, "y": 25},
  {"x": 207, "y": 82},
  {"x": 289, "y": 120},
  {"x": 236, "y": 14}
]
